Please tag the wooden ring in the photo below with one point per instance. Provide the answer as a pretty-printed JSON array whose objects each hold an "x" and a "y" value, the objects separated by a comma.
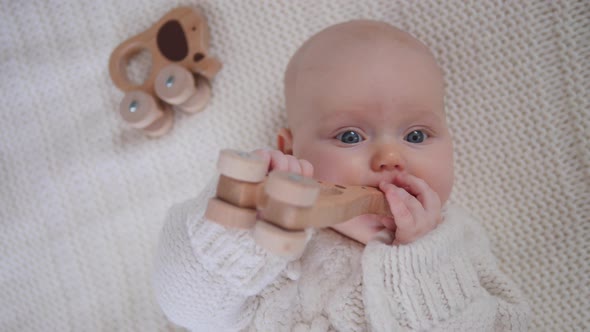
[
  {"x": 161, "y": 126},
  {"x": 237, "y": 165},
  {"x": 230, "y": 215},
  {"x": 174, "y": 84},
  {"x": 139, "y": 109},
  {"x": 292, "y": 188},
  {"x": 199, "y": 99},
  {"x": 279, "y": 241}
]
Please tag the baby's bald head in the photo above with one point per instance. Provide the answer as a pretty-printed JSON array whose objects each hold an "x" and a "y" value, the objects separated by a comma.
[{"x": 345, "y": 44}]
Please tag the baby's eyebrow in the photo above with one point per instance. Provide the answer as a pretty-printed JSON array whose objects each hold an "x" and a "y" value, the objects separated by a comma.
[
  {"x": 349, "y": 114},
  {"x": 407, "y": 114},
  {"x": 427, "y": 113}
]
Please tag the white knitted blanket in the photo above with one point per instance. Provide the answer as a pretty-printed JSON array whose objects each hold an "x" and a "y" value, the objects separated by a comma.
[{"x": 83, "y": 196}]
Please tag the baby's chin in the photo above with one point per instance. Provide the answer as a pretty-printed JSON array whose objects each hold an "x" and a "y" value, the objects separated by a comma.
[{"x": 364, "y": 227}]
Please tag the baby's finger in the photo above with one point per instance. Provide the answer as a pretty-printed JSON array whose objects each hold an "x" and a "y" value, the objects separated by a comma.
[
  {"x": 403, "y": 217},
  {"x": 278, "y": 161},
  {"x": 412, "y": 204},
  {"x": 306, "y": 168},
  {"x": 294, "y": 165},
  {"x": 419, "y": 189},
  {"x": 263, "y": 154}
]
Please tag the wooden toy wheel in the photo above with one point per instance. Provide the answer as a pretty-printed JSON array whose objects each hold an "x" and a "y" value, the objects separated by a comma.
[
  {"x": 279, "y": 241},
  {"x": 174, "y": 84},
  {"x": 291, "y": 188},
  {"x": 199, "y": 99},
  {"x": 241, "y": 166},
  {"x": 230, "y": 215},
  {"x": 139, "y": 109},
  {"x": 162, "y": 125}
]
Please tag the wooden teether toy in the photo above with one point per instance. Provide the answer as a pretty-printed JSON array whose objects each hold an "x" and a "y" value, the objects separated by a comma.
[
  {"x": 179, "y": 78},
  {"x": 280, "y": 206}
]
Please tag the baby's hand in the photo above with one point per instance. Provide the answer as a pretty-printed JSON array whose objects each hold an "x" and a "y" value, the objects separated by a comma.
[
  {"x": 416, "y": 208},
  {"x": 277, "y": 160}
]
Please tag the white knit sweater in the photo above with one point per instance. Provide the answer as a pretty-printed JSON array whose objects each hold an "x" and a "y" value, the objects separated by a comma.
[{"x": 210, "y": 278}]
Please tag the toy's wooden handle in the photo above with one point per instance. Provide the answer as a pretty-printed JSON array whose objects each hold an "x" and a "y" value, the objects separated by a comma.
[
  {"x": 120, "y": 59},
  {"x": 335, "y": 204}
]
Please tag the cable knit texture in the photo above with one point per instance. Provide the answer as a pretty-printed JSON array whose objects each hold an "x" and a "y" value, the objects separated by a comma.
[
  {"x": 439, "y": 282},
  {"x": 83, "y": 196}
]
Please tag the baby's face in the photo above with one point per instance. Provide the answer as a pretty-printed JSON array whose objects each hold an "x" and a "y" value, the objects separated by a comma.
[{"x": 364, "y": 117}]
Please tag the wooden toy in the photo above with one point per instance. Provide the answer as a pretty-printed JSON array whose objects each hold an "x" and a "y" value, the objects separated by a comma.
[
  {"x": 179, "y": 78},
  {"x": 280, "y": 206}
]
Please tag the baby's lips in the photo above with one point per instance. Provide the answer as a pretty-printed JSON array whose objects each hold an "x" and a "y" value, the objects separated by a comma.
[{"x": 391, "y": 178}]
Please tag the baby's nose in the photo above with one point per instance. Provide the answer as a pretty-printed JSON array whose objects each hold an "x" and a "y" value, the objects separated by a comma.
[{"x": 387, "y": 159}]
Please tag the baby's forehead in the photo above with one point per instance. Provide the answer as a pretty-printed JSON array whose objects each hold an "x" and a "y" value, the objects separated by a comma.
[
  {"x": 350, "y": 43},
  {"x": 362, "y": 35}
]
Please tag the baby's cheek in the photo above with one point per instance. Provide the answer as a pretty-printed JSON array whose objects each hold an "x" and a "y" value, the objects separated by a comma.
[
  {"x": 339, "y": 171},
  {"x": 442, "y": 184},
  {"x": 445, "y": 189},
  {"x": 332, "y": 165}
]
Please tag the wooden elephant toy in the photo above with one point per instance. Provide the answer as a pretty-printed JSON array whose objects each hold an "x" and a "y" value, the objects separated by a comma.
[
  {"x": 281, "y": 205},
  {"x": 179, "y": 78}
]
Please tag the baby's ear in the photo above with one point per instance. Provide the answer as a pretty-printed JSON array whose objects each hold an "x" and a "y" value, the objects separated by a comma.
[{"x": 285, "y": 141}]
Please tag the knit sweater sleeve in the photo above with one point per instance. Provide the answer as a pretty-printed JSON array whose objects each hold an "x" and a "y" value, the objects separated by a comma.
[
  {"x": 447, "y": 280},
  {"x": 207, "y": 276}
]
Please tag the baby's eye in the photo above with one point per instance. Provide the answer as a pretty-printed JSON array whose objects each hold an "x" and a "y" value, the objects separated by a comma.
[
  {"x": 349, "y": 137},
  {"x": 416, "y": 136}
]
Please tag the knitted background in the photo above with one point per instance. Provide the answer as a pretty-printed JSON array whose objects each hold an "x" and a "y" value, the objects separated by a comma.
[{"x": 83, "y": 196}]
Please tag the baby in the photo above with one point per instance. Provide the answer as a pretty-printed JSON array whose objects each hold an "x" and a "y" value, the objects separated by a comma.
[{"x": 365, "y": 106}]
